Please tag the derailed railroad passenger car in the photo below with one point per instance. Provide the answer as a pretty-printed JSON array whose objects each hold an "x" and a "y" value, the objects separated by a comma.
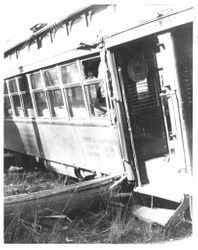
[{"x": 104, "y": 92}]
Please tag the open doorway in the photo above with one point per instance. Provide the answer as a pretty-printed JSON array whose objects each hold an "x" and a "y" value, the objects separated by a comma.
[
  {"x": 149, "y": 71},
  {"x": 138, "y": 74}
]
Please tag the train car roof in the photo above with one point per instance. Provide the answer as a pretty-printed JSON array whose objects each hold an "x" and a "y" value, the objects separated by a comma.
[
  {"x": 26, "y": 36},
  {"x": 43, "y": 27}
]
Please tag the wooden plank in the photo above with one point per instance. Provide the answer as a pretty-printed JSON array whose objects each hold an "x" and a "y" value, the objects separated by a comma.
[
  {"x": 74, "y": 197},
  {"x": 77, "y": 187}
]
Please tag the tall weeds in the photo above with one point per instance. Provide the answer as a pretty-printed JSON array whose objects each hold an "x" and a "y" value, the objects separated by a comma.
[{"x": 114, "y": 224}]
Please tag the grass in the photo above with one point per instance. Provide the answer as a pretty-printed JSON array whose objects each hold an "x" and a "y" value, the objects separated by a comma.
[
  {"x": 114, "y": 224},
  {"x": 31, "y": 181}
]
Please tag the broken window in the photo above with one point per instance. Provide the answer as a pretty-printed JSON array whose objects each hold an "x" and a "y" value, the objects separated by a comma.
[
  {"x": 91, "y": 68},
  {"x": 95, "y": 88}
]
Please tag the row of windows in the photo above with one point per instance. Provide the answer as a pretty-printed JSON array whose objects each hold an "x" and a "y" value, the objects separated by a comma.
[{"x": 76, "y": 90}]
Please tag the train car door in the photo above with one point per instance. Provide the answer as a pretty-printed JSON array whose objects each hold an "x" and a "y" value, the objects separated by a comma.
[{"x": 147, "y": 72}]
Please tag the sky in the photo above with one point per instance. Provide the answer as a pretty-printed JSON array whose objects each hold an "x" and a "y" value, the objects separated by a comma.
[{"x": 19, "y": 15}]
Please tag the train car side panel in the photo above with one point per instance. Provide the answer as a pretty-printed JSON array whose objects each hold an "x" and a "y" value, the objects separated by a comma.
[
  {"x": 23, "y": 139},
  {"x": 88, "y": 147}
]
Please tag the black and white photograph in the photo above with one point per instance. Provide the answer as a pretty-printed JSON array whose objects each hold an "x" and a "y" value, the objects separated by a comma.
[{"x": 97, "y": 122}]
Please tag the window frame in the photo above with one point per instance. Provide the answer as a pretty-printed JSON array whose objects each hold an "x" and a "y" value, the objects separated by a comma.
[
  {"x": 10, "y": 100},
  {"x": 46, "y": 90},
  {"x": 23, "y": 92},
  {"x": 37, "y": 90},
  {"x": 20, "y": 93},
  {"x": 17, "y": 93},
  {"x": 74, "y": 85},
  {"x": 82, "y": 83},
  {"x": 94, "y": 81}
]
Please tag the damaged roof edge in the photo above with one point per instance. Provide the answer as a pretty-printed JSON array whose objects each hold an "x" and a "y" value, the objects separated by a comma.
[{"x": 48, "y": 26}]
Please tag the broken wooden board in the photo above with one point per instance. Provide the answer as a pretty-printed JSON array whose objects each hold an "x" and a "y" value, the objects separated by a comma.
[
  {"x": 75, "y": 197},
  {"x": 162, "y": 216}
]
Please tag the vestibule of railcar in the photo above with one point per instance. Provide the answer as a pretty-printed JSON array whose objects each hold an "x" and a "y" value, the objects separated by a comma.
[{"x": 154, "y": 75}]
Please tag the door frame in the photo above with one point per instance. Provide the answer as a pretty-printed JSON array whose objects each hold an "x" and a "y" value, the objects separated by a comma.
[
  {"x": 172, "y": 89},
  {"x": 124, "y": 124}
]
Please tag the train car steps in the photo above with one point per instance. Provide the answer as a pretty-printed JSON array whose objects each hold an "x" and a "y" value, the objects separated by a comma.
[{"x": 161, "y": 216}]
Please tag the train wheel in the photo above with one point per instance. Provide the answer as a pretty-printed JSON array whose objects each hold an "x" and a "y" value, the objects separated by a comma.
[{"x": 84, "y": 175}]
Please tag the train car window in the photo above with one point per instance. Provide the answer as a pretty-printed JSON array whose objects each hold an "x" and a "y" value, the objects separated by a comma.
[
  {"x": 56, "y": 101},
  {"x": 23, "y": 84},
  {"x": 16, "y": 87},
  {"x": 70, "y": 73},
  {"x": 74, "y": 95},
  {"x": 51, "y": 77},
  {"x": 41, "y": 104},
  {"x": 91, "y": 68},
  {"x": 97, "y": 101},
  {"x": 5, "y": 88},
  {"x": 94, "y": 89},
  {"x": 7, "y": 107},
  {"x": 17, "y": 105},
  {"x": 36, "y": 81},
  {"x": 28, "y": 107},
  {"x": 76, "y": 102},
  {"x": 26, "y": 97},
  {"x": 12, "y": 85}
]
